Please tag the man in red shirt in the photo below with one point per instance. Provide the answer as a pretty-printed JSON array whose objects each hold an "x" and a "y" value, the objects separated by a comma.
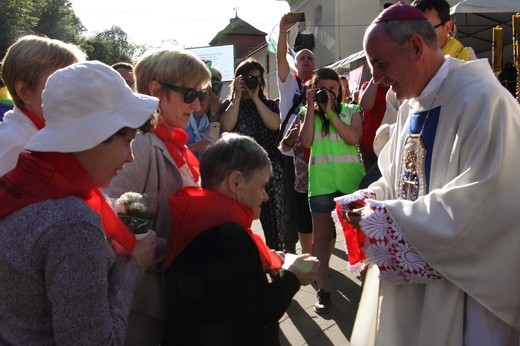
[{"x": 373, "y": 103}]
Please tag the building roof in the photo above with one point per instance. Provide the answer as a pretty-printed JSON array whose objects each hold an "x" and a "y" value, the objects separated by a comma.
[{"x": 237, "y": 27}]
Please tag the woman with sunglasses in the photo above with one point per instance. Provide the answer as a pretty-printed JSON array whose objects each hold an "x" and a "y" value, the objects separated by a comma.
[
  {"x": 162, "y": 165},
  {"x": 249, "y": 112},
  {"x": 332, "y": 130}
]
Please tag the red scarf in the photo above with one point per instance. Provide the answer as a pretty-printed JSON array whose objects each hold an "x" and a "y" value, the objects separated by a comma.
[
  {"x": 175, "y": 142},
  {"x": 191, "y": 217},
  {"x": 39, "y": 123},
  {"x": 41, "y": 176},
  {"x": 304, "y": 80}
]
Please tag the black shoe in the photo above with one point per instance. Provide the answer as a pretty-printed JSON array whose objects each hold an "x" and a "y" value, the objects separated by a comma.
[{"x": 324, "y": 303}]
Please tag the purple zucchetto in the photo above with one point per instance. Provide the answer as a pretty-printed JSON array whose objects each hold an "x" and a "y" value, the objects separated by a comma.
[{"x": 400, "y": 11}]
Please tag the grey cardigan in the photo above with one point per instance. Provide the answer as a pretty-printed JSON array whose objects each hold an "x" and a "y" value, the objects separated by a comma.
[
  {"x": 60, "y": 281},
  {"x": 154, "y": 173}
]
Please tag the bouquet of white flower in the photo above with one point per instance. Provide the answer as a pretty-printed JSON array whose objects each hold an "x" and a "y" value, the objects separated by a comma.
[{"x": 132, "y": 211}]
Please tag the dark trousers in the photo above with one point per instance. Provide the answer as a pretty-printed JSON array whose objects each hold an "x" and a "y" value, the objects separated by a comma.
[
  {"x": 296, "y": 216},
  {"x": 369, "y": 158}
]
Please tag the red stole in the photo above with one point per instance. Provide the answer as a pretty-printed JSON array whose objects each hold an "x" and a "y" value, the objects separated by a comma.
[
  {"x": 39, "y": 123},
  {"x": 41, "y": 176},
  {"x": 191, "y": 217},
  {"x": 175, "y": 142}
]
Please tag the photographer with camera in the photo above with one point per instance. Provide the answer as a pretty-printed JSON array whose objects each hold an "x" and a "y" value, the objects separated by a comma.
[
  {"x": 331, "y": 130},
  {"x": 249, "y": 112},
  {"x": 214, "y": 111}
]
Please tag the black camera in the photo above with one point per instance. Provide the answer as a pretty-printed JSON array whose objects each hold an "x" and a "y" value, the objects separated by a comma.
[
  {"x": 251, "y": 82},
  {"x": 321, "y": 96},
  {"x": 216, "y": 85}
]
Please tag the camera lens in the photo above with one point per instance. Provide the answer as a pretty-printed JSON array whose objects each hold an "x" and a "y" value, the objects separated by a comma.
[
  {"x": 216, "y": 85},
  {"x": 251, "y": 82},
  {"x": 321, "y": 96}
]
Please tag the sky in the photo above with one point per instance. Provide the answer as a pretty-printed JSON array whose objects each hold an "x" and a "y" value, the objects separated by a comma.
[{"x": 192, "y": 23}]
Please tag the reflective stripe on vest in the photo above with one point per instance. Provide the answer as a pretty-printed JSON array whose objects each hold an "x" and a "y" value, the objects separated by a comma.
[{"x": 334, "y": 159}]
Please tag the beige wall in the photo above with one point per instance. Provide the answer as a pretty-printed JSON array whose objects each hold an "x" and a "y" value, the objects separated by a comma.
[{"x": 340, "y": 30}]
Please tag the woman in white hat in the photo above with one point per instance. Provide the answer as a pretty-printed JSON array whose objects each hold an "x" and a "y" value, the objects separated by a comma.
[
  {"x": 162, "y": 165},
  {"x": 61, "y": 282}
]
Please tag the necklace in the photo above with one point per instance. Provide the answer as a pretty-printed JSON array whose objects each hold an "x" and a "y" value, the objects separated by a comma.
[{"x": 412, "y": 178}]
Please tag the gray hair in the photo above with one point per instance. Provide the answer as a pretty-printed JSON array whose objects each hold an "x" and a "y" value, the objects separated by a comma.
[
  {"x": 232, "y": 152},
  {"x": 400, "y": 31}
]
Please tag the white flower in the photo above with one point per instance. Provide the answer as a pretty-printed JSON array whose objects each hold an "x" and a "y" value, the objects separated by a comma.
[
  {"x": 129, "y": 197},
  {"x": 133, "y": 212},
  {"x": 130, "y": 202},
  {"x": 137, "y": 206}
]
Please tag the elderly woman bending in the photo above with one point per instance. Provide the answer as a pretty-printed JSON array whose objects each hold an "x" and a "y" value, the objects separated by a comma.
[{"x": 217, "y": 292}]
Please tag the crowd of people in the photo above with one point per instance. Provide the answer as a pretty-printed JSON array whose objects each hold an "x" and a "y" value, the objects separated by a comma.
[{"x": 416, "y": 165}]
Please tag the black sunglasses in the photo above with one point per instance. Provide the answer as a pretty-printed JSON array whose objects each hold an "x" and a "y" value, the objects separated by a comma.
[
  {"x": 436, "y": 26},
  {"x": 190, "y": 94}
]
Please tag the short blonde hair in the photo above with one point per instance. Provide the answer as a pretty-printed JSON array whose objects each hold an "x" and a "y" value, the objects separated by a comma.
[
  {"x": 31, "y": 57},
  {"x": 174, "y": 66}
]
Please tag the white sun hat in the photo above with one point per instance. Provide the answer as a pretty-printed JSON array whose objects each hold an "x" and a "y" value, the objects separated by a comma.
[{"x": 86, "y": 103}]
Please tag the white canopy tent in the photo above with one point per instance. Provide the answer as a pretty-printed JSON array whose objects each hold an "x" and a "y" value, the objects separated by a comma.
[
  {"x": 475, "y": 19},
  {"x": 345, "y": 63}
]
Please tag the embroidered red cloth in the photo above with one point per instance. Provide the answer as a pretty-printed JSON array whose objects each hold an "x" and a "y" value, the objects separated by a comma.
[
  {"x": 41, "y": 176},
  {"x": 175, "y": 142},
  {"x": 354, "y": 239},
  {"x": 191, "y": 217},
  {"x": 39, "y": 123}
]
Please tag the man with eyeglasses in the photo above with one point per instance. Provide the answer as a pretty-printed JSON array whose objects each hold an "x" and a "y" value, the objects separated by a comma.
[{"x": 438, "y": 13}]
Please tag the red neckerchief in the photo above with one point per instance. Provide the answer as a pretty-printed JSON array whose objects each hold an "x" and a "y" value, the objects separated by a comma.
[
  {"x": 41, "y": 176},
  {"x": 175, "y": 142},
  {"x": 304, "y": 80},
  {"x": 191, "y": 217},
  {"x": 39, "y": 123}
]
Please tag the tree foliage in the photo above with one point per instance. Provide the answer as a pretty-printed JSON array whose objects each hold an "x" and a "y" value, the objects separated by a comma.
[
  {"x": 109, "y": 46},
  {"x": 51, "y": 18},
  {"x": 17, "y": 17},
  {"x": 56, "y": 19}
]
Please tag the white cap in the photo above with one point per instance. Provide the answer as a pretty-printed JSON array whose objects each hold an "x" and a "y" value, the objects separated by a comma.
[{"x": 86, "y": 103}]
